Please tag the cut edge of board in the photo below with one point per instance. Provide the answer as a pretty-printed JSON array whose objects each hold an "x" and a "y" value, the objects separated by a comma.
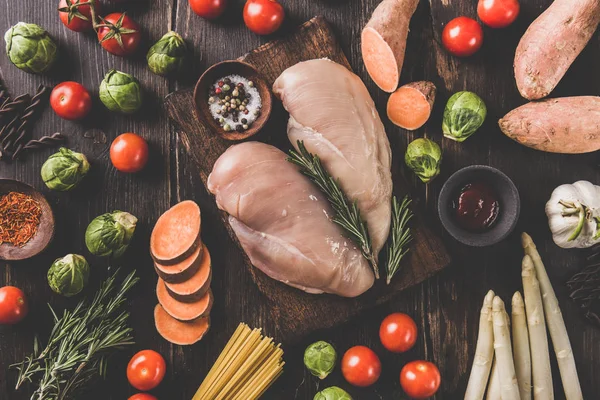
[{"x": 431, "y": 254}]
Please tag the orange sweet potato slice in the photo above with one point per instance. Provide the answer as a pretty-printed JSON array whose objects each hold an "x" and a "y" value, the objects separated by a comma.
[
  {"x": 176, "y": 233},
  {"x": 183, "y": 311},
  {"x": 196, "y": 287},
  {"x": 183, "y": 270},
  {"x": 177, "y": 332},
  {"x": 410, "y": 106}
]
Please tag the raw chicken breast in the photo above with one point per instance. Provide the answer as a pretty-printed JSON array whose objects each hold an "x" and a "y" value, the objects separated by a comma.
[
  {"x": 333, "y": 113},
  {"x": 282, "y": 221}
]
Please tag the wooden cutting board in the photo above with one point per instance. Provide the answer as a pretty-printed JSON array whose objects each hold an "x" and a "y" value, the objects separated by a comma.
[{"x": 297, "y": 313}]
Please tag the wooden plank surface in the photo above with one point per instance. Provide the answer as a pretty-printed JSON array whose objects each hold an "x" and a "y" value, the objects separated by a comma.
[
  {"x": 446, "y": 307},
  {"x": 297, "y": 313}
]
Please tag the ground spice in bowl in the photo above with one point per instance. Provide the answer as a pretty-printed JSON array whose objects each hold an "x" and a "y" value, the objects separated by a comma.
[{"x": 19, "y": 218}]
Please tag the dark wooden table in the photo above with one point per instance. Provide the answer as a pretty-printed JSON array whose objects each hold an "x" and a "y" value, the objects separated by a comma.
[{"x": 445, "y": 307}]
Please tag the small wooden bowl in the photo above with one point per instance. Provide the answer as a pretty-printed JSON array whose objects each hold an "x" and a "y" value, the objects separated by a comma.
[
  {"x": 45, "y": 233},
  {"x": 220, "y": 70}
]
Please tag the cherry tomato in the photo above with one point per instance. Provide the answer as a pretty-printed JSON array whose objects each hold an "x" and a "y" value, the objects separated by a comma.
[
  {"x": 420, "y": 379},
  {"x": 142, "y": 396},
  {"x": 146, "y": 370},
  {"x": 76, "y": 17},
  {"x": 209, "y": 9},
  {"x": 263, "y": 17},
  {"x": 13, "y": 305},
  {"x": 498, "y": 13},
  {"x": 129, "y": 152},
  {"x": 70, "y": 100},
  {"x": 462, "y": 36},
  {"x": 361, "y": 366},
  {"x": 119, "y": 25},
  {"x": 398, "y": 332}
]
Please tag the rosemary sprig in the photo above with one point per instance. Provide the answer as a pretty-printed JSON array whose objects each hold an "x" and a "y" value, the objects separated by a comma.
[
  {"x": 347, "y": 214},
  {"x": 584, "y": 287},
  {"x": 79, "y": 344},
  {"x": 400, "y": 235}
]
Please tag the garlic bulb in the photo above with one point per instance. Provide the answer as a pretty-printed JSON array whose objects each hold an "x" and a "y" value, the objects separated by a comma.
[{"x": 574, "y": 215}]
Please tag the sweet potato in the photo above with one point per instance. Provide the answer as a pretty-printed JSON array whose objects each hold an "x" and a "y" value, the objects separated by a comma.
[
  {"x": 551, "y": 44},
  {"x": 196, "y": 287},
  {"x": 176, "y": 233},
  {"x": 383, "y": 41},
  {"x": 177, "y": 332},
  {"x": 183, "y": 270},
  {"x": 562, "y": 125},
  {"x": 183, "y": 311},
  {"x": 410, "y": 106}
]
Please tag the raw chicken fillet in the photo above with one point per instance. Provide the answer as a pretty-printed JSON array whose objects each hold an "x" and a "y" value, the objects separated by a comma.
[
  {"x": 332, "y": 112},
  {"x": 283, "y": 222}
]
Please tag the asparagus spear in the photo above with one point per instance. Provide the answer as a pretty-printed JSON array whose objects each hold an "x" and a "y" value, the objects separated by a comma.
[
  {"x": 521, "y": 346},
  {"x": 556, "y": 324},
  {"x": 484, "y": 353},
  {"x": 509, "y": 389},
  {"x": 493, "y": 391},
  {"x": 538, "y": 339}
]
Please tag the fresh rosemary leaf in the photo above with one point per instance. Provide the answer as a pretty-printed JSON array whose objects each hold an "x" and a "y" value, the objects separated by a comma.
[
  {"x": 79, "y": 344},
  {"x": 400, "y": 236},
  {"x": 584, "y": 287},
  {"x": 347, "y": 214}
]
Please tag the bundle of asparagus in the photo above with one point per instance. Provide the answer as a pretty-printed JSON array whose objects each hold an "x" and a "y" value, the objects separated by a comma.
[{"x": 512, "y": 370}]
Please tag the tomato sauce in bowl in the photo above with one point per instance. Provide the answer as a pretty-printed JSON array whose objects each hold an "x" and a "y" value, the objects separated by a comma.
[{"x": 476, "y": 207}]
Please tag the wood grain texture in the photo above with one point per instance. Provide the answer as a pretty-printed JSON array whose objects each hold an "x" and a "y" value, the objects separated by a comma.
[
  {"x": 446, "y": 307},
  {"x": 296, "y": 313}
]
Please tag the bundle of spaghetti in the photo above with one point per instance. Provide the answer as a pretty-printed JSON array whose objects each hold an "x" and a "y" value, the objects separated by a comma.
[{"x": 245, "y": 369}]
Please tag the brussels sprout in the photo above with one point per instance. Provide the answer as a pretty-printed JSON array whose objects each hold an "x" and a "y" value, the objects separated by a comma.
[
  {"x": 424, "y": 158},
  {"x": 168, "y": 55},
  {"x": 69, "y": 275},
  {"x": 463, "y": 115},
  {"x": 332, "y": 393},
  {"x": 64, "y": 170},
  {"x": 30, "y": 48},
  {"x": 320, "y": 359},
  {"x": 121, "y": 92},
  {"x": 110, "y": 234}
]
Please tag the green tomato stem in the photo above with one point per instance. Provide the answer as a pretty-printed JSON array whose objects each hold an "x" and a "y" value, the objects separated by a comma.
[{"x": 95, "y": 24}]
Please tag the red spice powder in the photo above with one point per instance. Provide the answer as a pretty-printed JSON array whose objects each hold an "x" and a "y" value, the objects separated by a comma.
[{"x": 19, "y": 218}]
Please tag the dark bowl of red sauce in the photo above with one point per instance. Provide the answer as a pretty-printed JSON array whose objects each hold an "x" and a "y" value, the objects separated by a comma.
[{"x": 479, "y": 205}]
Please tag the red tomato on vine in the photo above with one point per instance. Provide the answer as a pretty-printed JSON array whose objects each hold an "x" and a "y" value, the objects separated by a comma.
[
  {"x": 119, "y": 34},
  {"x": 76, "y": 15}
]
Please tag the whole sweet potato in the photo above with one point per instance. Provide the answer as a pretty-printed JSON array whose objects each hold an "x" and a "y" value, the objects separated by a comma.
[
  {"x": 561, "y": 125},
  {"x": 383, "y": 41},
  {"x": 551, "y": 44}
]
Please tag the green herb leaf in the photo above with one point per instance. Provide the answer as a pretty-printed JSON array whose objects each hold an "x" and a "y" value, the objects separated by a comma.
[
  {"x": 400, "y": 236},
  {"x": 80, "y": 344},
  {"x": 347, "y": 214}
]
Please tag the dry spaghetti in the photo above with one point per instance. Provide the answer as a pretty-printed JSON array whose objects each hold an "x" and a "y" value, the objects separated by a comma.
[{"x": 246, "y": 368}]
